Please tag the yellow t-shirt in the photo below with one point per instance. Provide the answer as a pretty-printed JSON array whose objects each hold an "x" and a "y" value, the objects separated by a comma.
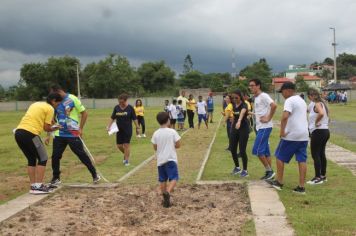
[
  {"x": 139, "y": 111},
  {"x": 229, "y": 109},
  {"x": 249, "y": 108},
  {"x": 38, "y": 114},
  {"x": 192, "y": 105}
]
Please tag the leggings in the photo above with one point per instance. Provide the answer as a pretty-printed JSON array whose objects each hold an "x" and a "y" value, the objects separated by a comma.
[
  {"x": 141, "y": 122},
  {"x": 228, "y": 130},
  {"x": 239, "y": 138},
  {"x": 318, "y": 141},
  {"x": 190, "y": 118}
]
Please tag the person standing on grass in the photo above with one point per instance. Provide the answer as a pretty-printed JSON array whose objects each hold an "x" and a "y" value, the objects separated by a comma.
[
  {"x": 294, "y": 137},
  {"x": 201, "y": 110},
  {"x": 190, "y": 110},
  {"x": 210, "y": 106},
  {"x": 173, "y": 114},
  {"x": 228, "y": 116},
  {"x": 184, "y": 104},
  {"x": 124, "y": 114},
  {"x": 240, "y": 131},
  {"x": 140, "y": 114},
  {"x": 264, "y": 109},
  {"x": 165, "y": 142},
  {"x": 67, "y": 115},
  {"x": 319, "y": 134},
  {"x": 180, "y": 115},
  {"x": 38, "y": 117},
  {"x": 166, "y": 106}
]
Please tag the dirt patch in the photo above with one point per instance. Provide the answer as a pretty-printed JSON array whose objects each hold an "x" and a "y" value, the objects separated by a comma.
[{"x": 127, "y": 210}]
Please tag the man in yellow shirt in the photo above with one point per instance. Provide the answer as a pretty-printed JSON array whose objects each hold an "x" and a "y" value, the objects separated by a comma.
[
  {"x": 191, "y": 107},
  {"x": 38, "y": 117}
]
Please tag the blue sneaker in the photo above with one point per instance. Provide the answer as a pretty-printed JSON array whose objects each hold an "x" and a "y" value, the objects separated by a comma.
[
  {"x": 236, "y": 170},
  {"x": 244, "y": 173},
  {"x": 126, "y": 163}
]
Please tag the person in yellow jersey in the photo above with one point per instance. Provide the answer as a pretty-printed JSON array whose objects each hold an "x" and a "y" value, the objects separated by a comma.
[
  {"x": 38, "y": 118},
  {"x": 190, "y": 110},
  {"x": 140, "y": 111},
  {"x": 228, "y": 115}
]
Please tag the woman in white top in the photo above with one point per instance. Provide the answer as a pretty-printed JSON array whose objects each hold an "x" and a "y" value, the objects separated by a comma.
[{"x": 319, "y": 133}]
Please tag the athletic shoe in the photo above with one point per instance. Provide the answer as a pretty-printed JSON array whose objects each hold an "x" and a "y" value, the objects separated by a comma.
[
  {"x": 40, "y": 190},
  {"x": 324, "y": 178},
  {"x": 55, "y": 182},
  {"x": 138, "y": 136},
  {"x": 275, "y": 184},
  {"x": 96, "y": 179},
  {"x": 166, "y": 200},
  {"x": 244, "y": 173},
  {"x": 144, "y": 136},
  {"x": 265, "y": 176},
  {"x": 123, "y": 161},
  {"x": 126, "y": 163},
  {"x": 236, "y": 170},
  {"x": 315, "y": 180},
  {"x": 299, "y": 190},
  {"x": 270, "y": 174}
]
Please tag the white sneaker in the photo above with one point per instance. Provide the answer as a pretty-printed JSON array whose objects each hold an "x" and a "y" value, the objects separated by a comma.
[
  {"x": 144, "y": 135},
  {"x": 138, "y": 136}
]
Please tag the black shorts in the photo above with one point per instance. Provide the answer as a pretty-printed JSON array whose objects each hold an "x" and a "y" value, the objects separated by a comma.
[
  {"x": 173, "y": 121},
  {"x": 32, "y": 147},
  {"x": 123, "y": 136}
]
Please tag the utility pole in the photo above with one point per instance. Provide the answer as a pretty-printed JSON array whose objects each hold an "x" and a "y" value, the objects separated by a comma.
[
  {"x": 233, "y": 64},
  {"x": 334, "y": 45},
  {"x": 78, "y": 85}
]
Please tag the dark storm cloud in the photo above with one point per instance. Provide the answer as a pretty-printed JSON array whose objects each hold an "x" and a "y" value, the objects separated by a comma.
[{"x": 284, "y": 32}]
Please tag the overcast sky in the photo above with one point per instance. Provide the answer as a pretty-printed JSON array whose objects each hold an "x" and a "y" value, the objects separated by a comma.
[{"x": 283, "y": 31}]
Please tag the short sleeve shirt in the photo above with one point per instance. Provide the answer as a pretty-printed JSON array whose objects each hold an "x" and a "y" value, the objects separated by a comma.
[
  {"x": 124, "y": 117},
  {"x": 236, "y": 113},
  {"x": 184, "y": 102},
  {"x": 139, "y": 111},
  {"x": 262, "y": 107},
  {"x": 165, "y": 139},
  {"x": 201, "y": 107}
]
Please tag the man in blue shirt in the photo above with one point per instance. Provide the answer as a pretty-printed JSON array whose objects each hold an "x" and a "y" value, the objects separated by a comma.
[{"x": 210, "y": 105}]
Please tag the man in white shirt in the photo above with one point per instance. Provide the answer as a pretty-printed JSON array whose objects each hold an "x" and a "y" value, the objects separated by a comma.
[
  {"x": 201, "y": 110},
  {"x": 165, "y": 141},
  {"x": 294, "y": 136},
  {"x": 264, "y": 109},
  {"x": 173, "y": 114}
]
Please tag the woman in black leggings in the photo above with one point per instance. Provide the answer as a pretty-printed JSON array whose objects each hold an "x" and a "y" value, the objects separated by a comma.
[
  {"x": 239, "y": 135},
  {"x": 319, "y": 134}
]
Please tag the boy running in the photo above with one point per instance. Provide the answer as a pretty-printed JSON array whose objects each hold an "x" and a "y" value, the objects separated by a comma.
[
  {"x": 165, "y": 141},
  {"x": 201, "y": 110}
]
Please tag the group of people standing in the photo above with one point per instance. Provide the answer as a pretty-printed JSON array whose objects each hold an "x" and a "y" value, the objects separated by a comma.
[{"x": 295, "y": 129}]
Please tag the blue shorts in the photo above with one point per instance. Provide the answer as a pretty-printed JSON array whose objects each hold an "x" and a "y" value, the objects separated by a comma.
[
  {"x": 210, "y": 109},
  {"x": 201, "y": 117},
  {"x": 168, "y": 171},
  {"x": 261, "y": 145},
  {"x": 287, "y": 149}
]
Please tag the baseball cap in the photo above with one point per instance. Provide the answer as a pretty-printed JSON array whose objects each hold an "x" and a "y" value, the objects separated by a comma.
[{"x": 287, "y": 85}]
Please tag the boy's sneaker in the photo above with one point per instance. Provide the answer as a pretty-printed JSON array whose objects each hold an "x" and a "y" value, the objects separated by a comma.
[
  {"x": 166, "y": 199},
  {"x": 126, "y": 163},
  {"x": 55, "y": 182},
  {"x": 236, "y": 170},
  {"x": 315, "y": 180},
  {"x": 40, "y": 190},
  {"x": 270, "y": 174},
  {"x": 144, "y": 136},
  {"x": 275, "y": 184},
  {"x": 138, "y": 136},
  {"x": 244, "y": 173},
  {"x": 299, "y": 190},
  {"x": 96, "y": 179},
  {"x": 324, "y": 178}
]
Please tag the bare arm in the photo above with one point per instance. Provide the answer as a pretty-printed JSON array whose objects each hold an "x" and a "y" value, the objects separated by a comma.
[
  {"x": 83, "y": 120},
  {"x": 155, "y": 147},
  {"x": 284, "y": 121},
  {"x": 177, "y": 144},
  {"x": 319, "y": 109},
  {"x": 242, "y": 113},
  {"x": 268, "y": 118}
]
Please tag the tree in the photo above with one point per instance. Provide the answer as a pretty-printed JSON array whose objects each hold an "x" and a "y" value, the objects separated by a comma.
[
  {"x": 346, "y": 66},
  {"x": 300, "y": 84},
  {"x": 216, "y": 84},
  {"x": 241, "y": 85},
  {"x": 2, "y": 93},
  {"x": 192, "y": 79},
  {"x": 259, "y": 70},
  {"x": 328, "y": 61},
  {"x": 188, "y": 64},
  {"x": 156, "y": 76}
]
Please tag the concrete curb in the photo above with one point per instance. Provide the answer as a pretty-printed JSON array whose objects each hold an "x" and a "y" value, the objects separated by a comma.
[{"x": 341, "y": 157}]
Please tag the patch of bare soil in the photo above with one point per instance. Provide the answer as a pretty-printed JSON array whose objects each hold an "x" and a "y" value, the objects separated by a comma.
[{"x": 127, "y": 210}]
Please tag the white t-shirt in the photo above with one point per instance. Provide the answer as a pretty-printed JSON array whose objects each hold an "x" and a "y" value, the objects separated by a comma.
[
  {"x": 297, "y": 124},
  {"x": 324, "y": 122},
  {"x": 184, "y": 102},
  {"x": 165, "y": 139},
  {"x": 262, "y": 107},
  {"x": 201, "y": 107},
  {"x": 173, "y": 111}
]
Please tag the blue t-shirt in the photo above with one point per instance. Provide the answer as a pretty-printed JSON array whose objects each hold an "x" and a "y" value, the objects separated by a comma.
[{"x": 210, "y": 103}]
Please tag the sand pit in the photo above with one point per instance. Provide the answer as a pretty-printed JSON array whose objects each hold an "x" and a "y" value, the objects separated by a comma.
[{"x": 134, "y": 210}]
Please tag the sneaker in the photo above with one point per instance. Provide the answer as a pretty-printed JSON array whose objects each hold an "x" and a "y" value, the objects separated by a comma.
[
  {"x": 324, "y": 178},
  {"x": 244, "y": 173},
  {"x": 275, "y": 184},
  {"x": 315, "y": 180},
  {"x": 299, "y": 190},
  {"x": 166, "y": 199},
  {"x": 40, "y": 190},
  {"x": 138, "y": 136},
  {"x": 96, "y": 179},
  {"x": 264, "y": 177},
  {"x": 270, "y": 174},
  {"x": 126, "y": 163},
  {"x": 55, "y": 182},
  {"x": 144, "y": 136},
  {"x": 236, "y": 170}
]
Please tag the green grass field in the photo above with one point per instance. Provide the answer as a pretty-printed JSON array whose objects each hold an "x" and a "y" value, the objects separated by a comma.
[{"x": 328, "y": 209}]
